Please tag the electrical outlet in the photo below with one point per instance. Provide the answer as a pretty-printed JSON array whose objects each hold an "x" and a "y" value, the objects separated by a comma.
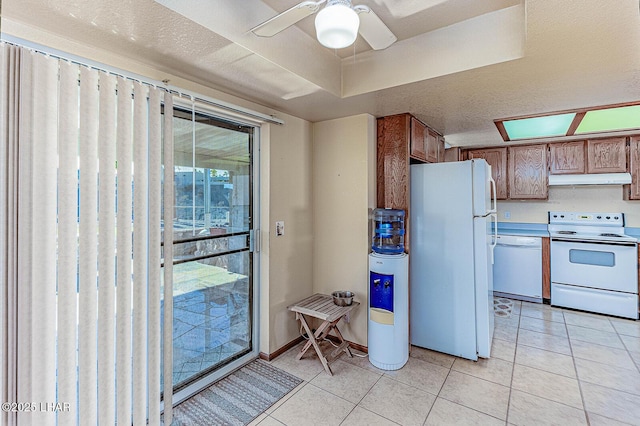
[
  {"x": 507, "y": 215},
  {"x": 279, "y": 228}
]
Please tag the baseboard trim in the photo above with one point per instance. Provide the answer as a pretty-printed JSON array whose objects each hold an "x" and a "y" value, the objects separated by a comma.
[
  {"x": 352, "y": 345},
  {"x": 273, "y": 355}
]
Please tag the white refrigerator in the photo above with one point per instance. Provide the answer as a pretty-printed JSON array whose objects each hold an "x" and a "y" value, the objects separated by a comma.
[{"x": 451, "y": 245}]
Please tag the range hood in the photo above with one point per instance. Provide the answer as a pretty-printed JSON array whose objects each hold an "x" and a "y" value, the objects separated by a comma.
[{"x": 591, "y": 179}]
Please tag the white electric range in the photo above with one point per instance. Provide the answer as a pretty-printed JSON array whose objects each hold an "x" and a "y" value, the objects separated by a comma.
[{"x": 594, "y": 265}]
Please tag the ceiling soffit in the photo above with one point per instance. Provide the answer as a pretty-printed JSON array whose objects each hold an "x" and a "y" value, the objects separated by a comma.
[
  {"x": 490, "y": 38},
  {"x": 299, "y": 54}
]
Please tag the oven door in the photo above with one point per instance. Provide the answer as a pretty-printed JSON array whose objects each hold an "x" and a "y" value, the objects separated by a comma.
[{"x": 595, "y": 265}]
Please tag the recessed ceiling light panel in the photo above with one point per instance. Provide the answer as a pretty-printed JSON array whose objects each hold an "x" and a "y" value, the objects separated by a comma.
[
  {"x": 610, "y": 119},
  {"x": 539, "y": 127},
  {"x": 593, "y": 120}
]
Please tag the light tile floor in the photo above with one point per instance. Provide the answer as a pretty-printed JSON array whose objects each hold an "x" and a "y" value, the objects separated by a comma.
[{"x": 549, "y": 366}]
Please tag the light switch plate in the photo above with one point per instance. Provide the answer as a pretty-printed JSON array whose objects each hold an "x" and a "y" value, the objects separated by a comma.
[{"x": 279, "y": 228}]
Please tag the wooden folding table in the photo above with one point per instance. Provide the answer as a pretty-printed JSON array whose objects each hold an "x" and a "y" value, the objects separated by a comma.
[{"x": 321, "y": 306}]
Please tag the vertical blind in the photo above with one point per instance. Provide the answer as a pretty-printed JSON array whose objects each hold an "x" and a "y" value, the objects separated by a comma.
[
  {"x": 88, "y": 256},
  {"x": 9, "y": 117}
]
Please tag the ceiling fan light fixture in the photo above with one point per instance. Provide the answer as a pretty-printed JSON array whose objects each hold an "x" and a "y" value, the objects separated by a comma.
[{"x": 337, "y": 25}]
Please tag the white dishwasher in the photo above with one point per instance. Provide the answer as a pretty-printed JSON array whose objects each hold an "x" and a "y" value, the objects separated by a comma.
[{"x": 517, "y": 268}]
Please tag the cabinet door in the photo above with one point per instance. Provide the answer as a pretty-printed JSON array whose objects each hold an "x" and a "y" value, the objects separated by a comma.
[
  {"x": 634, "y": 168},
  {"x": 418, "y": 139},
  {"x": 452, "y": 154},
  {"x": 432, "y": 146},
  {"x": 606, "y": 155},
  {"x": 441, "y": 149},
  {"x": 393, "y": 162},
  {"x": 497, "y": 159},
  {"x": 528, "y": 172},
  {"x": 567, "y": 158}
]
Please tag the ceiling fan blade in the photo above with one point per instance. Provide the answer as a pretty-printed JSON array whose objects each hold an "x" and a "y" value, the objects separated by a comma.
[
  {"x": 287, "y": 18},
  {"x": 373, "y": 30}
]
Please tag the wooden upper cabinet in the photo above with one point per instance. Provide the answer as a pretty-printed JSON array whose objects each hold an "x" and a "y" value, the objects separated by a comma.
[
  {"x": 425, "y": 144},
  {"x": 394, "y": 133},
  {"x": 634, "y": 168},
  {"x": 497, "y": 159},
  {"x": 432, "y": 146},
  {"x": 606, "y": 155},
  {"x": 402, "y": 140},
  {"x": 567, "y": 158},
  {"x": 441, "y": 149},
  {"x": 452, "y": 154},
  {"x": 528, "y": 172},
  {"x": 418, "y": 140}
]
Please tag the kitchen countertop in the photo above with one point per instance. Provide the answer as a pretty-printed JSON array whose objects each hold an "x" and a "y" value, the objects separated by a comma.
[
  {"x": 540, "y": 229},
  {"x": 634, "y": 232},
  {"x": 523, "y": 229}
]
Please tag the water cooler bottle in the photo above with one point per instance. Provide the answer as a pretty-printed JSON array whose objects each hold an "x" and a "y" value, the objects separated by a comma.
[{"x": 388, "y": 331}]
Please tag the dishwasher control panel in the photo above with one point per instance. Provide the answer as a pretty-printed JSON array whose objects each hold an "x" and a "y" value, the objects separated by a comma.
[{"x": 517, "y": 240}]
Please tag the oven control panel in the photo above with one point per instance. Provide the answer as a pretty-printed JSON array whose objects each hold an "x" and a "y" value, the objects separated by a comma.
[{"x": 573, "y": 218}]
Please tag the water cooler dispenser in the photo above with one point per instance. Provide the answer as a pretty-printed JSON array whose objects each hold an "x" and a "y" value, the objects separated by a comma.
[{"x": 388, "y": 331}]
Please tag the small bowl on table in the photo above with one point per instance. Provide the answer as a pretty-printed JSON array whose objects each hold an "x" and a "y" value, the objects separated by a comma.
[{"x": 342, "y": 298}]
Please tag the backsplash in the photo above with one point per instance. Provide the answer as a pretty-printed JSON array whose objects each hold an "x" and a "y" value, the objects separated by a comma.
[{"x": 604, "y": 198}]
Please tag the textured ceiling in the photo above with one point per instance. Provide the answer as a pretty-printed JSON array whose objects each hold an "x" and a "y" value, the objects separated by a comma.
[{"x": 575, "y": 53}]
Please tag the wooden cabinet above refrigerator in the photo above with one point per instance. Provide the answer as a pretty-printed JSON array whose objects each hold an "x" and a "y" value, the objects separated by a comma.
[{"x": 402, "y": 140}]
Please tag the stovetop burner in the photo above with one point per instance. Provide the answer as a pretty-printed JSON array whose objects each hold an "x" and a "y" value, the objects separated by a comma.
[{"x": 589, "y": 227}]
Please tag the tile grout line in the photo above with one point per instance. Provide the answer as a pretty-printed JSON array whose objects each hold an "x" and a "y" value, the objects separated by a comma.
[
  {"x": 576, "y": 378},
  {"x": 358, "y": 403},
  {"x": 344, "y": 399},
  {"x": 544, "y": 349},
  {"x": 513, "y": 367},
  {"x": 427, "y": 392},
  {"x": 575, "y": 367},
  {"x": 483, "y": 379},
  {"x": 606, "y": 387},
  {"x": 574, "y": 358},
  {"x": 633, "y": 359},
  {"x": 438, "y": 394}
]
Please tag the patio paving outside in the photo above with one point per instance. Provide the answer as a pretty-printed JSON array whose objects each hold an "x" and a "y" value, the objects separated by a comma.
[{"x": 210, "y": 318}]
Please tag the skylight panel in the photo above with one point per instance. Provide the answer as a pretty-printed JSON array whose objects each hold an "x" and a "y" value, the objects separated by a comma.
[
  {"x": 539, "y": 127},
  {"x": 593, "y": 120},
  {"x": 610, "y": 119}
]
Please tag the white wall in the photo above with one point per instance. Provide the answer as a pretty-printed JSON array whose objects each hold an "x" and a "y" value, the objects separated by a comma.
[
  {"x": 290, "y": 255},
  {"x": 344, "y": 165},
  {"x": 606, "y": 198}
]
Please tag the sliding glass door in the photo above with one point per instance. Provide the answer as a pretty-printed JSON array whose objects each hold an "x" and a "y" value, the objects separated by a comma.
[{"x": 212, "y": 272}]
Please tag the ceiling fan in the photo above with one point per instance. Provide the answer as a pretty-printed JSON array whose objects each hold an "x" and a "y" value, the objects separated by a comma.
[{"x": 337, "y": 24}]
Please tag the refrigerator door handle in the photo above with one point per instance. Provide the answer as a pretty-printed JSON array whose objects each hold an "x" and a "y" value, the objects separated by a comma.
[
  {"x": 494, "y": 197},
  {"x": 495, "y": 236}
]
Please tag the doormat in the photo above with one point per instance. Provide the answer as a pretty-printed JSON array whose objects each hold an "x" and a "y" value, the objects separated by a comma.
[
  {"x": 502, "y": 307},
  {"x": 238, "y": 398}
]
